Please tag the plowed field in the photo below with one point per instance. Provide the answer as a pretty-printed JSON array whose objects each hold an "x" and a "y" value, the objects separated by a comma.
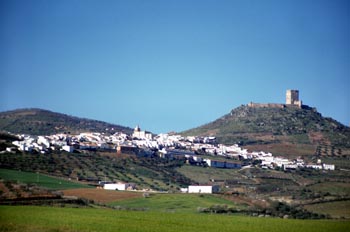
[{"x": 101, "y": 195}]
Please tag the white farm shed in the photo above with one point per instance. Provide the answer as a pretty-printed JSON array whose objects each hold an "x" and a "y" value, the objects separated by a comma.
[
  {"x": 203, "y": 189},
  {"x": 118, "y": 186}
]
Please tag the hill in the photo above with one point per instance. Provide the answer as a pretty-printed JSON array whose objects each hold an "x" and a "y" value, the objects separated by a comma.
[
  {"x": 44, "y": 122},
  {"x": 155, "y": 173},
  {"x": 275, "y": 126}
]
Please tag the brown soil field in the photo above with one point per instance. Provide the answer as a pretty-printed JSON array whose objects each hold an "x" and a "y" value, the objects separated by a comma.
[{"x": 101, "y": 195}]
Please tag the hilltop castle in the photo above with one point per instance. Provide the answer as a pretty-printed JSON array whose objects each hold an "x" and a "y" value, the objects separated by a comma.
[{"x": 292, "y": 100}]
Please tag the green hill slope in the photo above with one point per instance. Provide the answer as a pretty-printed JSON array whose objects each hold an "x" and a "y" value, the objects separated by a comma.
[
  {"x": 271, "y": 125},
  {"x": 44, "y": 122},
  {"x": 39, "y": 179}
]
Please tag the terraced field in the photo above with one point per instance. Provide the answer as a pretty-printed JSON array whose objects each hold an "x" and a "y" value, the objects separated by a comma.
[{"x": 338, "y": 209}]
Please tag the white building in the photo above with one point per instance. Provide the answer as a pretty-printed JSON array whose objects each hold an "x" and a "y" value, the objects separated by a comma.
[
  {"x": 67, "y": 148},
  {"x": 118, "y": 186},
  {"x": 141, "y": 134},
  {"x": 43, "y": 141},
  {"x": 290, "y": 166},
  {"x": 314, "y": 166},
  {"x": 197, "y": 159},
  {"x": 203, "y": 189},
  {"x": 221, "y": 164},
  {"x": 184, "y": 190},
  {"x": 328, "y": 166},
  {"x": 215, "y": 163},
  {"x": 279, "y": 161}
]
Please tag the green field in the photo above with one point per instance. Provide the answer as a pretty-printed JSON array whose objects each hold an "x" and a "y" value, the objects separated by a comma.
[
  {"x": 176, "y": 202},
  {"x": 39, "y": 179},
  {"x": 38, "y": 219}
]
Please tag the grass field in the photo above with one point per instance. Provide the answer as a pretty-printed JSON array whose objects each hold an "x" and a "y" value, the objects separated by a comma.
[
  {"x": 161, "y": 202},
  {"x": 175, "y": 202},
  {"x": 38, "y": 179},
  {"x": 39, "y": 219}
]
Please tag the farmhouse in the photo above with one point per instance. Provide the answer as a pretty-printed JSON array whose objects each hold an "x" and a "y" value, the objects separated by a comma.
[
  {"x": 328, "y": 166},
  {"x": 119, "y": 186},
  {"x": 289, "y": 166},
  {"x": 221, "y": 164},
  {"x": 68, "y": 148},
  {"x": 314, "y": 166},
  {"x": 279, "y": 161},
  {"x": 203, "y": 189}
]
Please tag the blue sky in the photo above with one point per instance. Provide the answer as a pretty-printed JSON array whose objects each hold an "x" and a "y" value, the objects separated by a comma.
[{"x": 171, "y": 65}]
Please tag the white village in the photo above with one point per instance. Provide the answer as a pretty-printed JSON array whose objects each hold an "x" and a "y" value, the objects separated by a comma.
[{"x": 167, "y": 146}]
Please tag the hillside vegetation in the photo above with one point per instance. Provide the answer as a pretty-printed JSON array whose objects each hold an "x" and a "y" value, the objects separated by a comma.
[
  {"x": 274, "y": 126},
  {"x": 155, "y": 173},
  {"x": 44, "y": 122},
  {"x": 253, "y": 186}
]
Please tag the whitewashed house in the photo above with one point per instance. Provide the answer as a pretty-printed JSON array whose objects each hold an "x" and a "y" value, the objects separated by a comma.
[
  {"x": 119, "y": 186},
  {"x": 43, "y": 141},
  {"x": 314, "y": 166},
  {"x": 279, "y": 161},
  {"x": 290, "y": 166},
  {"x": 184, "y": 190},
  {"x": 221, "y": 164},
  {"x": 328, "y": 166},
  {"x": 215, "y": 163},
  {"x": 68, "y": 148},
  {"x": 203, "y": 189}
]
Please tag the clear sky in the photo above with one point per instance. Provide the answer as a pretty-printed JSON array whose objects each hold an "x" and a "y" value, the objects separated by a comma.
[{"x": 171, "y": 65}]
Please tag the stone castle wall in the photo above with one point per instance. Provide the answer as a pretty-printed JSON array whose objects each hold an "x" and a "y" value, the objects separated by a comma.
[
  {"x": 292, "y": 100},
  {"x": 271, "y": 105}
]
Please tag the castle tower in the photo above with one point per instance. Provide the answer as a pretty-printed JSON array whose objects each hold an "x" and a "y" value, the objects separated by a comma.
[{"x": 292, "y": 97}]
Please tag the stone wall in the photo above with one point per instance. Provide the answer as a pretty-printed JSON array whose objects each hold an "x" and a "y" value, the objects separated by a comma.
[
  {"x": 273, "y": 105},
  {"x": 266, "y": 105}
]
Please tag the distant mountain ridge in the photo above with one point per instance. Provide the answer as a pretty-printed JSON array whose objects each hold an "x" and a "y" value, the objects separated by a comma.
[
  {"x": 36, "y": 121},
  {"x": 249, "y": 125}
]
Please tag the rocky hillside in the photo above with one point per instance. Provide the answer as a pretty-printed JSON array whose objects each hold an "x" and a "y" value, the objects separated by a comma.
[
  {"x": 44, "y": 122},
  {"x": 271, "y": 126}
]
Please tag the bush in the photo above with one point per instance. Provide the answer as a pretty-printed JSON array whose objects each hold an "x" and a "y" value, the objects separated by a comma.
[{"x": 145, "y": 195}]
